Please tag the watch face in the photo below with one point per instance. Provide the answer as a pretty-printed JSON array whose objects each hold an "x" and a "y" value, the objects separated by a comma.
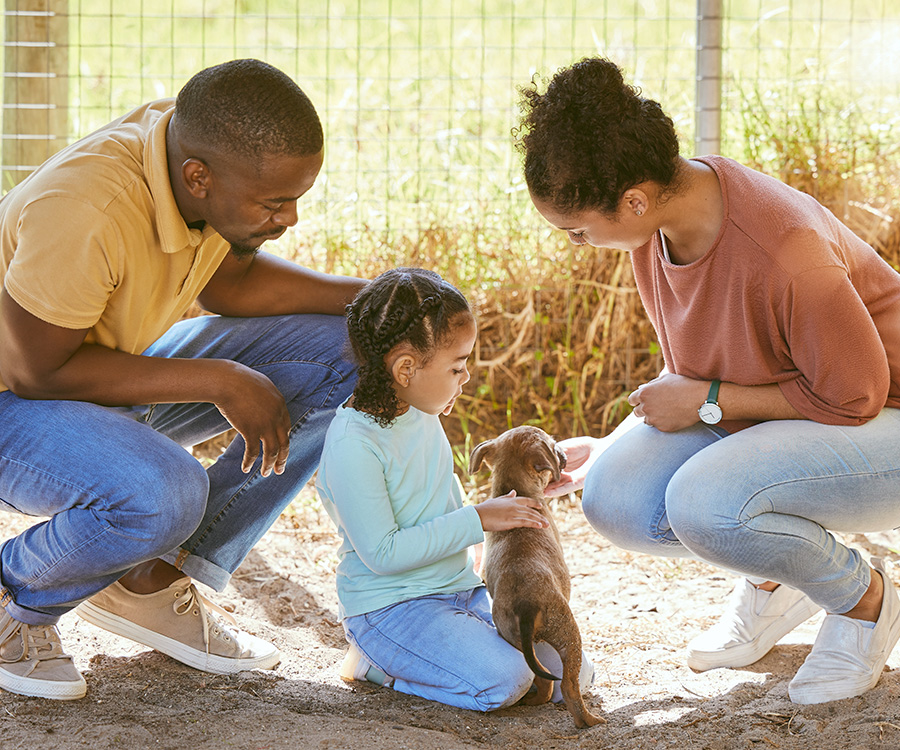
[{"x": 710, "y": 413}]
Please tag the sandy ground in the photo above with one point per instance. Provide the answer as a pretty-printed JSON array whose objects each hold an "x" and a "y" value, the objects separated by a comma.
[{"x": 636, "y": 614}]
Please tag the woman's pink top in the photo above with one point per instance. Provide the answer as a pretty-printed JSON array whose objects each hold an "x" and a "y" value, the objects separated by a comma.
[{"x": 787, "y": 294}]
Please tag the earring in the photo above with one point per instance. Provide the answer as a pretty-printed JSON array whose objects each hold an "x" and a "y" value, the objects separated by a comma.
[{"x": 639, "y": 213}]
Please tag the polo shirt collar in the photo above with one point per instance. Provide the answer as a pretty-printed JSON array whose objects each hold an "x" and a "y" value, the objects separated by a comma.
[{"x": 174, "y": 234}]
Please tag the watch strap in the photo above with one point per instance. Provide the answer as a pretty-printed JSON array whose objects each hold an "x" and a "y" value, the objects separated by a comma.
[{"x": 713, "y": 396}]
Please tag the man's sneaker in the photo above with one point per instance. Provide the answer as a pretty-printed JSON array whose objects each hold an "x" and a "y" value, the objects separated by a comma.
[
  {"x": 32, "y": 662},
  {"x": 848, "y": 657},
  {"x": 179, "y": 622},
  {"x": 356, "y": 667},
  {"x": 754, "y": 622}
]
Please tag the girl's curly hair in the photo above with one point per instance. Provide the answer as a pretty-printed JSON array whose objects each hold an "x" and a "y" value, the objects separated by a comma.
[
  {"x": 591, "y": 137},
  {"x": 403, "y": 305}
]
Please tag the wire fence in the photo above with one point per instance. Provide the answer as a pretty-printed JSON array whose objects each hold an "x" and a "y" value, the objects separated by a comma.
[{"x": 418, "y": 100}]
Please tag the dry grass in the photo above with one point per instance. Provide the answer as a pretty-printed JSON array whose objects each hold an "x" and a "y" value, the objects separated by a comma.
[{"x": 563, "y": 338}]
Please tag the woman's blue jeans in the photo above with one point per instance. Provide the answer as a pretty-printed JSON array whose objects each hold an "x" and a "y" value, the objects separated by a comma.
[
  {"x": 119, "y": 488},
  {"x": 761, "y": 502}
]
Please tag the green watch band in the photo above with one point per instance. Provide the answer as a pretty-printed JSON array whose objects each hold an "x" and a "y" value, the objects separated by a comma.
[{"x": 710, "y": 412}]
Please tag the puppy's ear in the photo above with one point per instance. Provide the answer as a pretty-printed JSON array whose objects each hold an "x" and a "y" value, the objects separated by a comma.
[
  {"x": 548, "y": 460},
  {"x": 483, "y": 452},
  {"x": 561, "y": 456}
]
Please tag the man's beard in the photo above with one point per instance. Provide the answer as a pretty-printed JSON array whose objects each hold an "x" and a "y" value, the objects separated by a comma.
[{"x": 243, "y": 252}]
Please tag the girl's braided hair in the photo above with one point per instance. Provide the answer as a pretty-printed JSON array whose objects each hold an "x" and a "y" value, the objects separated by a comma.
[
  {"x": 591, "y": 137},
  {"x": 403, "y": 305}
]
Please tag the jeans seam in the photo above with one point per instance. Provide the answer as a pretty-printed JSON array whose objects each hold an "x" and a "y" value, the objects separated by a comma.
[
  {"x": 743, "y": 518},
  {"x": 313, "y": 362},
  {"x": 87, "y": 542},
  {"x": 43, "y": 473}
]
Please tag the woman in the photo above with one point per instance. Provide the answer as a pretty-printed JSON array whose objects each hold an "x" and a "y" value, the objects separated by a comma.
[{"x": 776, "y": 419}]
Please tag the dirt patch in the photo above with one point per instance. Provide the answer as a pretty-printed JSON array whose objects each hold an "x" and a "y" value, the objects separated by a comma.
[{"x": 636, "y": 614}]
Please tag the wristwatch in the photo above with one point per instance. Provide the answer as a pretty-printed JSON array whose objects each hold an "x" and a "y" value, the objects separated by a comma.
[{"x": 710, "y": 411}]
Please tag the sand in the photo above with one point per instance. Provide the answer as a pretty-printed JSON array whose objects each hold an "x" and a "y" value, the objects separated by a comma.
[{"x": 636, "y": 614}]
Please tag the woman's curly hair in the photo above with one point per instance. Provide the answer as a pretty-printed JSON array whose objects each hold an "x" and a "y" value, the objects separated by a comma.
[
  {"x": 403, "y": 305},
  {"x": 591, "y": 137}
]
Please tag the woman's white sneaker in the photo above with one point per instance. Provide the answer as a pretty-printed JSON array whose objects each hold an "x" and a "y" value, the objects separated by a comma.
[
  {"x": 753, "y": 623},
  {"x": 849, "y": 655}
]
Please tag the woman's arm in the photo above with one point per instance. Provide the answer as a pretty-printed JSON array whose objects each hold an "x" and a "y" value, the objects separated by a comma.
[{"x": 670, "y": 402}]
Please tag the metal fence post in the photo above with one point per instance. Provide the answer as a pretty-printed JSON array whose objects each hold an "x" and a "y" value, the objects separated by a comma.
[
  {"x": 35, "y": 85},
  {"x": 708, "y": 110}
]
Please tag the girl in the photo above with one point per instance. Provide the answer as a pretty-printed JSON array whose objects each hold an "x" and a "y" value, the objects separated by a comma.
[
  {"x": 777, "y": 419},
  {"x": 414, "y": 610}
]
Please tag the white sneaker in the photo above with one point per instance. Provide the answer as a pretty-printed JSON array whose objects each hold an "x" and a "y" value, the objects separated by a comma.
[
  {"x": 754, "y": 622},
  {"x": 356, "y": 667},
  {"x": 848, "y": 657}
]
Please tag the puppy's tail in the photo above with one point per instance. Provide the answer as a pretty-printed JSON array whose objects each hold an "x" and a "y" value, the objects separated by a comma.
[{"x": 530, "y": 616}]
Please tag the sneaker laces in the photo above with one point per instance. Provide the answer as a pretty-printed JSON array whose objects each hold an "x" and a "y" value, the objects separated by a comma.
[
  {"x": 39, "y": 642},
  {"x": 192, "y": 601}
]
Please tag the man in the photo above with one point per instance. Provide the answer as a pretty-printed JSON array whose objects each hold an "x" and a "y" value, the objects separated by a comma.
[{"x": 103, "y": 249}]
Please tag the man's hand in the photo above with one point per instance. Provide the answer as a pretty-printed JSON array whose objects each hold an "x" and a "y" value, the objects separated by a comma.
[
  {"x": 256, "y": 409},
  {"x": 511, "y": 512}
]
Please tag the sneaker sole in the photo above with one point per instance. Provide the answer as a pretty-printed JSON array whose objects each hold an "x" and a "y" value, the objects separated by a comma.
[
  {"x": 749, "y": 653},
  {"x": 170, "y": 647},
  {"x": 52, "y": 689}
]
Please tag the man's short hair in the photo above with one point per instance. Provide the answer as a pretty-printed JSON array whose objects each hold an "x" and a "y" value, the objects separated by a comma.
[{"x": 250, "y": 108}]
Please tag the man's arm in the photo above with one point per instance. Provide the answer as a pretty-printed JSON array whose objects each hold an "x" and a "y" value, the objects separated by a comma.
[
  {"x": 39, "y": 360},
  {"x": 268, "y": 285}
]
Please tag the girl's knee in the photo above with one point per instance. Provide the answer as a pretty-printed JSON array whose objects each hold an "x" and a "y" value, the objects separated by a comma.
[{"x": 509, "y": 689}]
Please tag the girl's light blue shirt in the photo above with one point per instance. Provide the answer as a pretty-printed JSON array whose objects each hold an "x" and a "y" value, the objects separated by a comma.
[{"x": 404, "y": 530}]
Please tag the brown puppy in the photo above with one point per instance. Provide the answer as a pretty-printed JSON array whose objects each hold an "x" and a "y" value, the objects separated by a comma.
[{"x": 524, "y": 569}]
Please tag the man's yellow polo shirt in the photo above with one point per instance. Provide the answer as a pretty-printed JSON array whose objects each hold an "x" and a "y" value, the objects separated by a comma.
[{"x": 93, "y": 238}]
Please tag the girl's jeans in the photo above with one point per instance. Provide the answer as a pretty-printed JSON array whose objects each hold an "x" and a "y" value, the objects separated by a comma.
[
  {"x": 761, "y": 502},
  {"x": 119, "y": 488},
  {"x": 445, "y": 648}
]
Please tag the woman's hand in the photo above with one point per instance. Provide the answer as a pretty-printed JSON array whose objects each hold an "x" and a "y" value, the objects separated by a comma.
[
  {"x": 511, "y": 512},
  {"x": 669, "y": 402},
  {"x": 581, "y": 452}
]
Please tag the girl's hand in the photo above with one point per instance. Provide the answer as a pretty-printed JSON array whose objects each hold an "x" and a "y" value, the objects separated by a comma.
[
  {"x": 511, "y": 512},
  {"x": 669, "y": 402},
  {"x": 581, "y": 452}
]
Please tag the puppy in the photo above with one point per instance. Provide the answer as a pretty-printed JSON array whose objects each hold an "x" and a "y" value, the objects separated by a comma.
[{"x": 524, "y": 569}]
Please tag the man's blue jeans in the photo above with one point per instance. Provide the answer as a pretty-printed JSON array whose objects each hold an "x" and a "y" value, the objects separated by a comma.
[
  {"x": 761, "y": 502},
  {"x": 119, "y": 488}
]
